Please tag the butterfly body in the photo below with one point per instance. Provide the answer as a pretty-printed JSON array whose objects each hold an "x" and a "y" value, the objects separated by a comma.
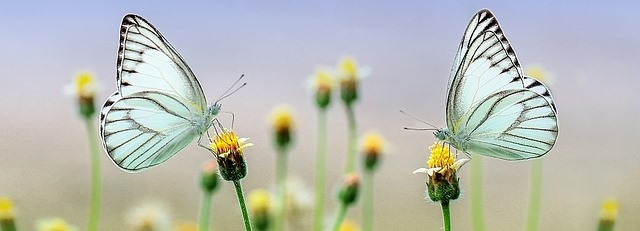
[
  {"x": 492, "y": 108},
  {"x": 159, "y": 106}
]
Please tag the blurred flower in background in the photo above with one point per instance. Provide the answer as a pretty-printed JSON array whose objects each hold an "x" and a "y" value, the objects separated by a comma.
[
  {"x": 54, "y": 224},
  {"x": 349, "y": 73},
  {"x": 149, "y": 216},
  {"x": 7, "y": 216},
  {"x": 608, "y": 215},
  {"x": 84, "y": 88},
  {"x": 322, "y": 83},
  {"x": 261, "y": 209}
]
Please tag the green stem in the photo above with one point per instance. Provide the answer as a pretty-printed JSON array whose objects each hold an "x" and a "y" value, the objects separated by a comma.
[
  {"x": 205, "y": 211},
  {"x": 342, "y": 211},
  {"x": 243, "y": 206},
  {"x": 367, "y": 206},
  {"x": 94, "y": 209},
  {"x": 351, "y": 148},
  {"x": 7, "y": 225},
  {"x": 606, "y": 225},
  {"x": 477, "y": 218},
  {"x": 321, "y": 159},
  {"x": 281, "y": 188},
  {"x": 534, "y": 195},
  {"x": 446, "y": 215}
]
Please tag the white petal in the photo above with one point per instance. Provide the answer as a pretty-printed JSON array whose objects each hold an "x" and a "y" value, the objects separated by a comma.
[
  {"x": 420, "y": 170},
  {"x": 456, "y": 165}
]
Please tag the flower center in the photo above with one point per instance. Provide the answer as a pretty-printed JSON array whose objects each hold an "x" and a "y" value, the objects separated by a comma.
[{"x": 440, "y": 156}]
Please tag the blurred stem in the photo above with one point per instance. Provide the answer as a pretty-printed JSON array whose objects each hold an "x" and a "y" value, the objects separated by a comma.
[
  {"x": 446, "y": 215},
  {"x": 205, "y": 210},
  {"x": 243, "y": 206},
  {"x": 321, "y": 158},
  {"x": 535, "y": 194},
  {"x": 342, "y": 211},
  {"x": 606, "y": 225},
  {"x": 281, "y": 188},
  {"x": 94, "y": 209},
  {"x": 367, "y": 206},
  {"x": 7, "y": 225},
  {"x": 477, "y": 218},
  {"x": 351, "y": 148}
]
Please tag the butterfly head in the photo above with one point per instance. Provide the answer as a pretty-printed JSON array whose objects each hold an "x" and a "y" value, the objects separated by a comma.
[
  {"x": 442, "y": 134},
  {"x": 214, "y": 108}
]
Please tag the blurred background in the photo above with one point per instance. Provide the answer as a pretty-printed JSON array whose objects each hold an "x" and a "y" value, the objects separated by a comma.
[{"x": 590, "y": 50}]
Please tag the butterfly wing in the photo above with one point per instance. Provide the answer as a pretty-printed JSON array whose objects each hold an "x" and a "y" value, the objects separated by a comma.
[
  {"x": 159, "y": 102},
  {"x": 511, "y": 125},
  {"x": 492, "y": 109},
  {"x": 485, "y": 64},
  {"x": 144, "y": 129},
  {"x": 146, "y": 61}
]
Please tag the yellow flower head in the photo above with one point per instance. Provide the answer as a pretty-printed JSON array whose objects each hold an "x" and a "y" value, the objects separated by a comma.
[
  {"x": 259, "y": 201},
  {"x": 442, "y": 166},
  {"x": 372, "y": 146},
  {"x": 6, "y": 209},
  {"x": 226, "y": 144},
  {"x": 282, "y": 118},
  {"x": 349, "y": 73},
  {"x": 282, "y": 122},
  {"x": 55, "y": 224},
  {"x": 609, "y": 210},
  {"x": 84, "y": 86},
  {"x": 539, "y": 73},
  {"x": 348, "y": 225},
  {"x": 323, "y": 81},
  {"x": 228, "y": 149},
  {"x": 186, "y": 226},
  {"x": 348, "y": 66}
]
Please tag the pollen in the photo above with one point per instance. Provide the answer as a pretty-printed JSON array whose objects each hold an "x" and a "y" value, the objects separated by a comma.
[
  {"x": 227, "y": 142},
  {"x": 440, "y": 156}
]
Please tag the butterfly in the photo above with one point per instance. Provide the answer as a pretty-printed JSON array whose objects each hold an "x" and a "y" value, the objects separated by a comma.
[
  {"x": 492, "y": 108},
  {"x": 159, "y": 106}
]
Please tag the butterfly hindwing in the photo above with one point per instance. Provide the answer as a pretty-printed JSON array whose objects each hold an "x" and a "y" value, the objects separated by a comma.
[
  {"x": 512, "y": 125},
  {"x": 145, "y": 129}
]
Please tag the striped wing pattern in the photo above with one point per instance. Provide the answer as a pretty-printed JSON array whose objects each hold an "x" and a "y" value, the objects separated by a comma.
[
  {"x": 159, "y": 105},
  {"x": 492, "y": 109},
  {"x": 485, "y": 63},
  {"x": 511, "y": 125},
  {"x": 145, "y": 129}
]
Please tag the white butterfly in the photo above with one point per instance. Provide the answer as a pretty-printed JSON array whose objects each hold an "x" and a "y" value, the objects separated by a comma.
[
  {"x": 159, "y": 107},
  {"x": 492, "y": 108}
]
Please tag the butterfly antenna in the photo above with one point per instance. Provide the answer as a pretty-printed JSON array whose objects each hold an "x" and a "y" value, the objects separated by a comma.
[
  {"x": 419, "y": 120},
  {"x": 419, "y": 129},
  {"x": 232, "y": 89}
]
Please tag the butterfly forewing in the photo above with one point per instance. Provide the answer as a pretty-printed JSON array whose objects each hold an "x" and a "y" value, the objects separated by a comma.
[{"x": 146, "y": 61}]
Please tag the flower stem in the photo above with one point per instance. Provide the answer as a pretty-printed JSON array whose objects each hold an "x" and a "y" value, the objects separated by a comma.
[
  {"x": 8, "y": 225},
  {"x": 477, "y": 218},
  {"x": 281, "y": 188},
  {"x": 534, "y": 195},
  {"x": 446, "y": 215},
  {"x": 342, "y": 211},
  {"x": 94, "y": 209},
  {"x": 351, "y": 148},
  {"x": 321, "y": 159},
  {"x": 243, "y": 206},
  {"x": 205, "y": 210},
  {"x": 367, "y": 206}
]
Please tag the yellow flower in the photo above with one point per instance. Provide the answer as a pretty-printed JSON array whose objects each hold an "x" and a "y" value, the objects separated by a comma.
[
  {"x": 349, "y": 74},
  {"x": 228, "y": 149},
  {"x": 282, "y": 122},
  {"x": 83, "y": 86},
  {"x": 227, "y": 145},
  {"x": 54, "y": 224},
  {"x": 348, "y": 193},
  {"x": 6, "y": 209},
  {"x": 609, "y": 210},
  {"x": 323, "y": 82},
  {"x": 348, "y": 225},
  {"x": 441, "y": 160},
  {"x": 539, "y": 73},
  {"x": 442, "y": 166},
  {"x": 187, "y": 226},
  {"x": 259, "y": 201},
  {"x": 373, "y": 146}
]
